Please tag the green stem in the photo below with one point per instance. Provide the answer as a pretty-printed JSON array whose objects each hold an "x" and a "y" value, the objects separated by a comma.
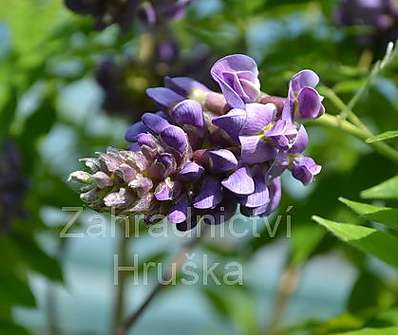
[
  {"x": 288, "y": 285},
  {"x": 336, "y": 122},
  {"x": 168, "y": 277},
  {"x": 344, "y": 109},
  {"x": 120, "y": 301}
]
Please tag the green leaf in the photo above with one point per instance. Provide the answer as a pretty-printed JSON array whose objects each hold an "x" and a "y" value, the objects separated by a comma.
[
  {"x": 8, "y": 327},
  {"x": 369, "y": 293},
  {"x": 374, "y": 331},
  {"x": 383, "y": 136},
  {"x": 386, "y": 190},
  {"x": 36, "y": 258},
  {"x": 27, "y": 33},
  {"x": 385, "y": 215},
  {"x": 304, "y": 241},
  {"x": 368, "y": 240},
  {"x": 388, "y": 317},
  {"x": 15, "y": 291}
]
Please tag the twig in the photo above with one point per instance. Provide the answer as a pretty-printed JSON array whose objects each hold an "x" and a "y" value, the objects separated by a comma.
[
  {"x": 335, "y": 122},
  {"x": 388, "y": 58},
  {"x": 52, "y": 303},
  {"x": 288, "y": 285},
  {"x": 122, "y": 281},
  {"x": 168, "y": 278}
]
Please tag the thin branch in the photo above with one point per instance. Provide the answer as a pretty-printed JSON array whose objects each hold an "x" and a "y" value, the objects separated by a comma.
[
  {"x": 168, "y": 277},
  {"x": 288, "y": 285},
  {"x": 389, "y": 57},
  {"x": 335, "y": 122},
  {"x": 51, "y": 296},
  {"x": 120, "y": 302}
]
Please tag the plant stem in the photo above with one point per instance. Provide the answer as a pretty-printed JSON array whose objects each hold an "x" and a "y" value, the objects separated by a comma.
[
  {"x": 120, "y": 301},
  {"x": 344, "y": 109},
  {"x": 168, "y": 277},
  {"x": 288, "y": 285},
  {"x": 52, "y": 303},
  {"x": 336, "y": 122}
]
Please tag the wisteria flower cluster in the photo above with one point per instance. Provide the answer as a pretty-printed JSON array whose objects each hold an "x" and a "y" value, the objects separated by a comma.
[
  {"x": 204, "y": 154},
  {"x": 123, "y": 12},
  {"x": 379, "y": 16}
]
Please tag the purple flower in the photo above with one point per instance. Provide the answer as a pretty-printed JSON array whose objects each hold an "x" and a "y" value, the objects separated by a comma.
[
  {"x": 158, "y": 12},
  {"x": 303, "y": 100},
  {"x": 380, "y": 17},
  {"x": 237, "y": 76},
  {"x": 106, "y": 12},
  {"x": 205, "y": 154},
  {"x": 185, "y": 86},
  {"x": 123, "y": 13},
  {"x": 304, "y": 169}
]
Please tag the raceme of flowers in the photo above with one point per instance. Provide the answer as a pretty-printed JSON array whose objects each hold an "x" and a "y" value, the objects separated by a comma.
[
  {"x": 203, "y": 154},
  {"x": 123, "y": 12},
  {"x": 380, "y": 17}
]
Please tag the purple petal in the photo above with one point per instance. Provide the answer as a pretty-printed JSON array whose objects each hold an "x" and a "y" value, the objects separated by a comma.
[
  {"x": 258, "y": 116},
  {"x": 301, "y": 141},
  {"x": 164, "y": 97},
  {"x": 282, "y": 134},
  {"x": 134, "y": 130},
  {"x": 184, "y": 85},
  {"x": 147, "y": 13},
  {"x": 168, "y": 163},
  {"x": 275, "y": 194},
  {"x": 108, "y": 162},
  {"x": 141, "y": 185},
  {"x": 278, "y": 166},
  {"x": 309, "y": 103},
  {"x": 165, "y": 190},
  {"x": 102, "y": 180},
  {"x": 188, "y": 112},
  {"x": 155, "y": 122},
  {"x": 304, "y": 169},
  {"x": 178, "y": 213},
  {"x": 120, "y": 199},
  {"x": 254, "y": 150},
  {"x": 191, "y": 171},
  {"x": 222, "y": 160},
  {"x": 240, "y": 182},
  {"x": 143, "y": 203},
  {"x": 260, "y": 197},
  {"x": 126, "y": 172},
  {"x": 237, "y": 77},
  {"x": 232, "y": 122},
  {"x": 164, "y": 165},
  {"x": 134, "y": 147},
  {"x": 210, "y": 194},
  {"x": 304, "y": 78},
  {"x": 275, "y": 190},
  {"x": 147, "y": 139},
  {"x": 175, "y": 137}
]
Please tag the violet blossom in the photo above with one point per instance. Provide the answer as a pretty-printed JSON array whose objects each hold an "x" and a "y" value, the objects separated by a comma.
[
  {"x": 205, "y": 154},
  {"x": 379, "y": 18},
  {"x": 123, "y": 12}
]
